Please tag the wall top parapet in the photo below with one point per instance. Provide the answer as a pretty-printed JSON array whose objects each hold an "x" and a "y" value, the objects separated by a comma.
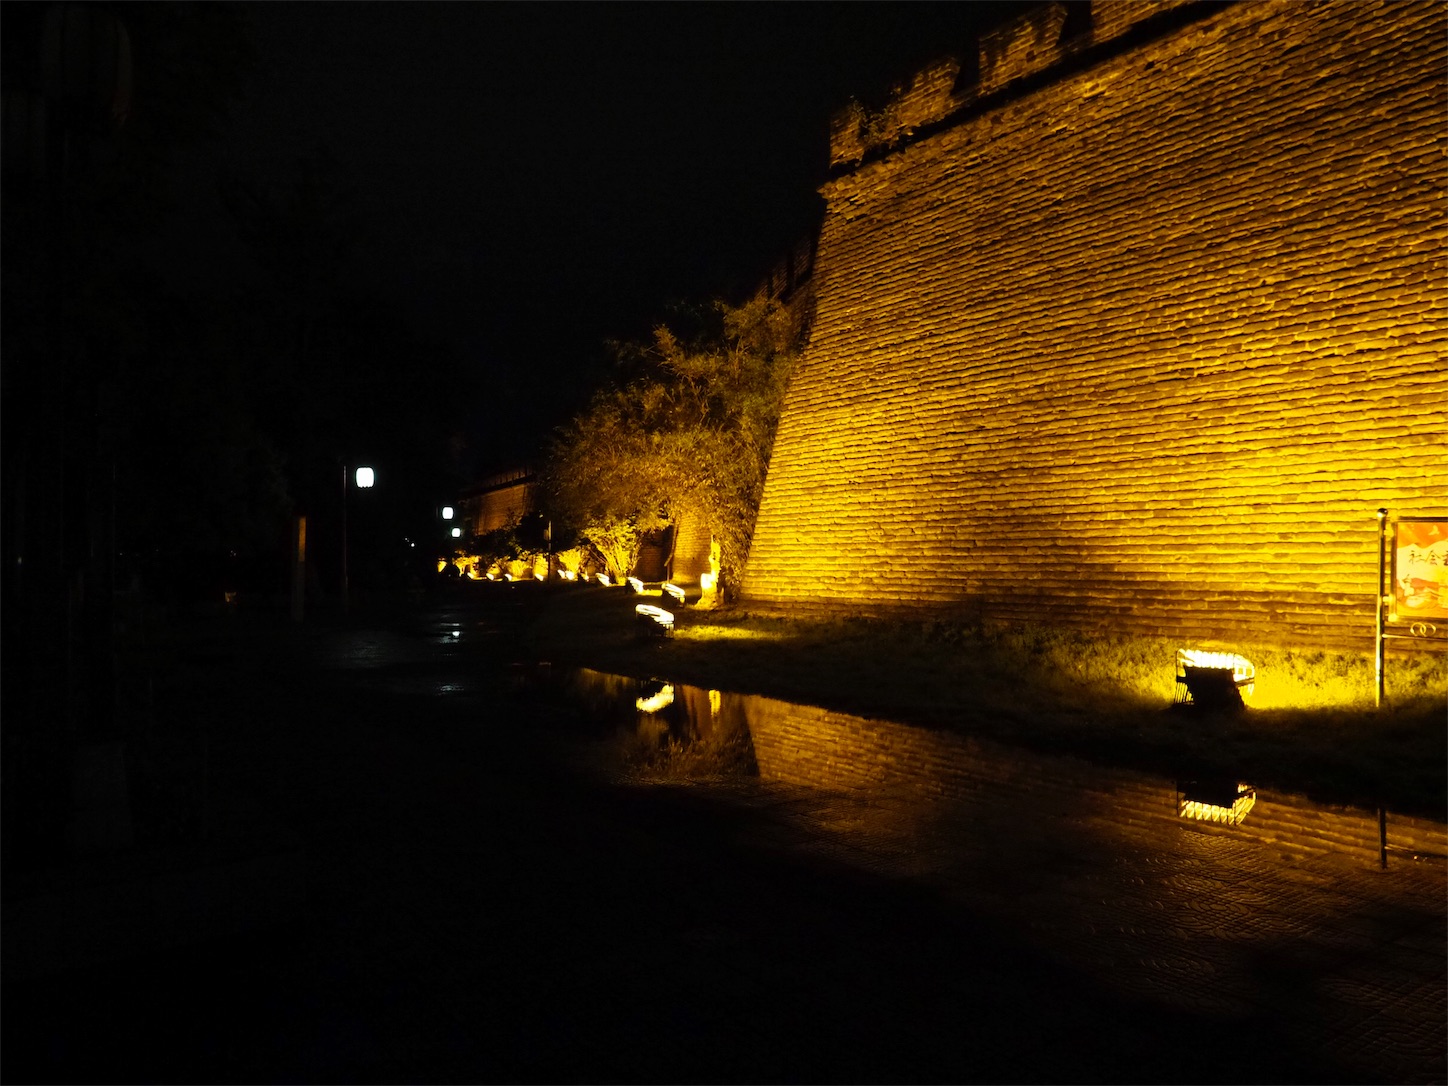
[
  {"x": 1014, "y": 57},
  {"x": 500, "y": 480}
]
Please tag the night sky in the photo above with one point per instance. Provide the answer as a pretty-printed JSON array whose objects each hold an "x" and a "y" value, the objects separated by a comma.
[{"x": 529, "y": 180}]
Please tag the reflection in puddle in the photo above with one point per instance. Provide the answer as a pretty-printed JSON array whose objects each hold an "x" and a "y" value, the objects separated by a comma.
[
  {"x": 911, "y": 780},
  {"x": 1216, "y": 801},
  {"x": 1164, "y": 891}
]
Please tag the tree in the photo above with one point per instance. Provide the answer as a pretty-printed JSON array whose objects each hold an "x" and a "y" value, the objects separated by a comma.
[{"x": 690, "y": 425}]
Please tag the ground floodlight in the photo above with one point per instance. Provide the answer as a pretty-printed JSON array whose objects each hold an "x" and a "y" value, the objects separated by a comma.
[
  {"x": 1213, "y": 680},
  {"x": 675, "y": 591},
  {"x": 654, "y": 620}
]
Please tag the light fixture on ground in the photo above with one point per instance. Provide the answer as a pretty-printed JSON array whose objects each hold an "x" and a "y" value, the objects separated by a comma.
[
  {"x": 1213, "y": 680},
  {"x": 654, "y": 620},
  {"x": 636, "y": 584},
  {"x": 675, "y": 591}
]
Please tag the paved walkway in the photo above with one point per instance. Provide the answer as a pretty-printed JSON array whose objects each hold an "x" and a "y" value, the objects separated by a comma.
[{"x": 469, "y": 906}]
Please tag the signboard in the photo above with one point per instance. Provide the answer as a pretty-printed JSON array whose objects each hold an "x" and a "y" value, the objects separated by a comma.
[{"x": 1419, "y": 570}]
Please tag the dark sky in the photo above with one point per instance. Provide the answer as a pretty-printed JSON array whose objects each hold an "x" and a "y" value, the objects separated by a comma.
[{"x": 534, "y": 178}]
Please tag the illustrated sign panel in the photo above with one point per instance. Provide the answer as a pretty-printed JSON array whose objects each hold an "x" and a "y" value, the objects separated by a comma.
[{"x": 1420, "y": 569}]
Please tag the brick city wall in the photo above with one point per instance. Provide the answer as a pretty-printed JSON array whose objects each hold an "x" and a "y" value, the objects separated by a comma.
[
  {"x": 498, "y": 502},
  {"x": 1127, "y": 325}
]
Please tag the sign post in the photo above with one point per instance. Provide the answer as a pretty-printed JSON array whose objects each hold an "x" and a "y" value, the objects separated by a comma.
[
  {"x": 1412, "y": 581},
  {"x": 1382, "y": 598}
]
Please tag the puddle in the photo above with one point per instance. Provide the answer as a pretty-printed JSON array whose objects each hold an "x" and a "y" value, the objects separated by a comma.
[{"x": 907, "y": 782}]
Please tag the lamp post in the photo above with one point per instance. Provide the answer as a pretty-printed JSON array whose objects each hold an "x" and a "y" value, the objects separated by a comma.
[{"x": 366, "y": 477}]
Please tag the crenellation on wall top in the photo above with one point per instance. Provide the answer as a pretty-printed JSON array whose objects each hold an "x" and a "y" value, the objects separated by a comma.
[{"x": 1034, "y": 42}]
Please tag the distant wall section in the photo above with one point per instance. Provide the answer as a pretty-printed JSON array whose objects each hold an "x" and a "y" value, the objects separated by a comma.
[{"x": 1129, "y": 326}]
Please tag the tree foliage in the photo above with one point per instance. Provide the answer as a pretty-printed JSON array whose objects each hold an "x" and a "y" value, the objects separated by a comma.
[{"x": 688, "y": 427}]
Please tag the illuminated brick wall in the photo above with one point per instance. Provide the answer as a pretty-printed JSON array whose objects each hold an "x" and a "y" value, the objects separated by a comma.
[
  {"x": 1132, "y": 327},
  {"x": 498, "y": 501}
]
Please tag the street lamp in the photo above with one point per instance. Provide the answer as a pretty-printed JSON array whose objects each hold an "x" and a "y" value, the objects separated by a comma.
[{"x": 366, "y": 477}]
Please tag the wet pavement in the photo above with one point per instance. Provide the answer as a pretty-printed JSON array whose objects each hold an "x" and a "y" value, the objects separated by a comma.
[{"x": 423, "y": 862}]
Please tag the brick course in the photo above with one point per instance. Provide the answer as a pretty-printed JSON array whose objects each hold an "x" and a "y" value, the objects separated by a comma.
[{"x": 1143, "y": 347}]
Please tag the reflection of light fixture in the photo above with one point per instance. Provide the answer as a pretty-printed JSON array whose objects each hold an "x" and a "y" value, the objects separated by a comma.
[
  {"x": 636, "y": 584},
  {"x": 1213, "y": 680},
  {"x": 365, "y": 477},
  {"x": 1216, "y": 801},
  {"x": 706, "y": 581},
  {"x": 675, "y": 591},
  {"x": 447, "y": 512},
  {"x": 654, "y": 702},
  {"x": 658, "y": 620},
  {"x": 457, "y": 533}
]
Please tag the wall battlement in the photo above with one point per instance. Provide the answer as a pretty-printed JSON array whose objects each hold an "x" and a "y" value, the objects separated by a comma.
[
  {"x": 1138, "y": 343},
  {"x": 1032, "y": 43}
]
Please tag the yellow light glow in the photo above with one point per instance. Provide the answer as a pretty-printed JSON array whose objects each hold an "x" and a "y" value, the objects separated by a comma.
[
  {"x": 726, "y": 633},
  {"x": 706, "y": 582},
  {"x": 441, "y": 564},
  {"x": 654, "y": 702}
]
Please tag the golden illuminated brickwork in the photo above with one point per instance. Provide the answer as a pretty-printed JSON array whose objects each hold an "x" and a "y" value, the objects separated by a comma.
[{"x": 1142, "y": 344}]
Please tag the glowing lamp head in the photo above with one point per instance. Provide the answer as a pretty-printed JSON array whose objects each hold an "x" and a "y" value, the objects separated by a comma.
[
  {"x": 365, "y": 478},
  {"x": 447, "y": 512},
  {"x": 457, "y": 533},
  {"x": 706, "y": 582}
]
